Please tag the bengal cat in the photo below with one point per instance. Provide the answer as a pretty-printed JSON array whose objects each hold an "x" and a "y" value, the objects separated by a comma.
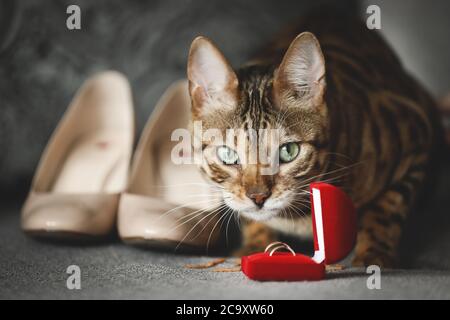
[{"x": 348, "y": 114}]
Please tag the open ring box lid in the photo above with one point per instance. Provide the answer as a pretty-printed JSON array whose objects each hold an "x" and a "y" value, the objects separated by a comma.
[{"x": 334, "y": 228}]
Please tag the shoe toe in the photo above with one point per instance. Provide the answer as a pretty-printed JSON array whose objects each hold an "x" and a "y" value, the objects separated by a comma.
[
  {"x": 156, "y": 223},
  {"x": 89, "y": 215}
]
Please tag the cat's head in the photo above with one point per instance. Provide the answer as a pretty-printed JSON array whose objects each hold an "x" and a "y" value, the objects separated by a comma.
[{"x": 289, "y": 98}]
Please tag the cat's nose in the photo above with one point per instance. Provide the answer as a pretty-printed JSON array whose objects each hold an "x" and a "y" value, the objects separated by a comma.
[{"x": 259, "y": 197}]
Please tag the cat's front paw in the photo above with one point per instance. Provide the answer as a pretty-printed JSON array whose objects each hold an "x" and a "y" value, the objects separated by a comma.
[{"x": 381, "y": 259}]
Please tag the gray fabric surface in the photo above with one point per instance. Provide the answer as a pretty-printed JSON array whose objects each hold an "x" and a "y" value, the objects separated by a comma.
[{"x": 31, "y": 269}]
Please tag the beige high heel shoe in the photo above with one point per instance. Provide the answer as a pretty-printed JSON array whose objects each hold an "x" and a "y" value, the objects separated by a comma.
[
  {"x": 84, "y": 168},
  {"x": 168, "y": 205}
]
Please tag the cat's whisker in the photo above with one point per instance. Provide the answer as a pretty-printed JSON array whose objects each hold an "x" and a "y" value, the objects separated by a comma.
[
  {"x": 237, "y": 217},
  {"x": 214, "y": 205},
  {"x": 302, "y": 192},
  {"x": 300, "y": 198},
  {"x": 334, "y": 179},
  {"x": 292, "y": 219},
  {"x": 306, "y": 206},
  {"x": 193, "y": 215},
  {"x": 303, "y": 201},
  {"x": 217, "y": 211},
  {"x": 228, "y": 224},
  {"x": 301, "y": 214},
  {"x": 332, "y": 171},
  {"x": 187, "y": 184},
  {"x": 306, "y": 181},
  {"x": 214, "y": 213},
  {"x": 184, "y": 206},
  {"x": 290, "y": 209},
  {"x": 206, "y": 195},
  {"x": 215, "y": 225}
]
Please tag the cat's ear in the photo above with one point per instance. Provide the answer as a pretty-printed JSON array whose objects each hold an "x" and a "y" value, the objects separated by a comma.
[
  {"x": 301, "y": 74},
  {"x": 213, "y": 84}
]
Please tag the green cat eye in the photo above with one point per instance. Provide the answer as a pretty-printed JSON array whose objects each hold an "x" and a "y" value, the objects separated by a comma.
[
  {"x": 227, "y": 155},
  {"x": 289, "y": 152}
]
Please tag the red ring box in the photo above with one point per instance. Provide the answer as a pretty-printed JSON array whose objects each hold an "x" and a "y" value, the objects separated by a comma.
[{"x": 334, "y": 228}]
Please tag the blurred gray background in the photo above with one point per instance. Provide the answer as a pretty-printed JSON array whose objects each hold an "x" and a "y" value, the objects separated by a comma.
[{"x": 42, "y": 64}]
